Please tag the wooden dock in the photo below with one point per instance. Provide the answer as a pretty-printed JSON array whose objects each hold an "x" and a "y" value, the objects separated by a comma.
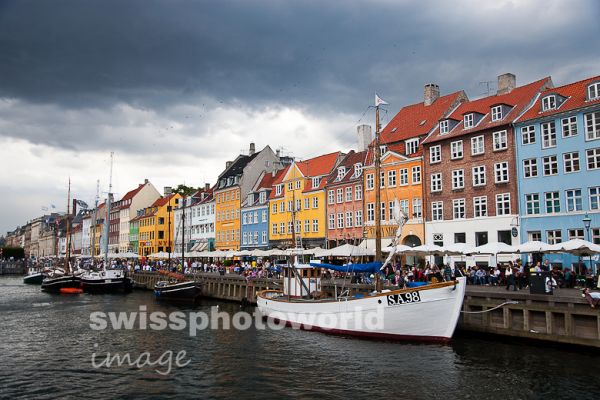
[{"x": 564, "y": 317}]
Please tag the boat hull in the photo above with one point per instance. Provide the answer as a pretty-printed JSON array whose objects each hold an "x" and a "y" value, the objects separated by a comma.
[
  {"x": 53, "y": 285},
  {"x": 107, "y": 285},
  {"x": 34, "y": 279},
  {"x": 428, "y": 313},
  {"x": 181, "y": 291}
]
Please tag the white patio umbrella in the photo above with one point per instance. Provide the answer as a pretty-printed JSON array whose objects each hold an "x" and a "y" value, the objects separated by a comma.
[
  {"x": 399, "y": 248},
  {"x": 577, "y": 247},
  {"x": 458, "y": 249},
  {"x": 495, "y": 248},
  {"x": 260, "y": 253},
  {"x": 424, "y": 250},
  {"x": 348, "y": 250},
  {"x": 160, "y": 254},
  {"x": 535, "y": 246},
  {"x": 242, "y": 253}
]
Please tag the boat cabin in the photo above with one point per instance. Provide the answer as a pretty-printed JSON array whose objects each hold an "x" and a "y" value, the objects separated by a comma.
[{"x": 301, "y": 280}]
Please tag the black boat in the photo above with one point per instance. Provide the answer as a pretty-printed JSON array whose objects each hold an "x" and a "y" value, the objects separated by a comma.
[
  {"x": 34, "y": 277},
  {"x": 188, "y": 291},
  {"x": 107, "y": 281},
  {"x": 53, "y": 284}
]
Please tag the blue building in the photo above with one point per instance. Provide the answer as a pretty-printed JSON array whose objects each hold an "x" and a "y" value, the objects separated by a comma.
[
  {"x": 255, "y": 214},
  {"x": 558, "y": 164}
]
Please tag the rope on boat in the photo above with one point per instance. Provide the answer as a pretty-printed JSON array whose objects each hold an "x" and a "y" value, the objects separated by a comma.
[{"x": 491, "y": 309}]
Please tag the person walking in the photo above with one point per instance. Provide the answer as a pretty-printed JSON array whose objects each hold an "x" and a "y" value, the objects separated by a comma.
[{"x": 510, "y": 277}]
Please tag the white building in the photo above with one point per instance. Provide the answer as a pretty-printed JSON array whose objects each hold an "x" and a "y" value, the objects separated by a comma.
[{"x": 199, "y": 222}]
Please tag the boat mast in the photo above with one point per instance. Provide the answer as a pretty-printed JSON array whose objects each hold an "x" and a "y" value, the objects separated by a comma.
[
  {"x": 377, "y": 155},
  {"x": 93, "y": 226},
  {"x": 67, "y": 252},
  {"x": 107, "y": 220},
  {"x": 183, "y": 234}
]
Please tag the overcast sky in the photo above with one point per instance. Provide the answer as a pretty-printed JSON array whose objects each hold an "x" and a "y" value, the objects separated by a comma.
[{"x": 176, "y": 88}]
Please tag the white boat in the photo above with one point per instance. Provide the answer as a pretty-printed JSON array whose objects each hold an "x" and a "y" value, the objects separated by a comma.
[{"x": 424, "y": 313}]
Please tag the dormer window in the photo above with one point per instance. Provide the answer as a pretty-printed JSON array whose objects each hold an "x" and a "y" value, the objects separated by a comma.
[
  {"x": 382, "y": 149},
  {"x": 411, "y": 146},
  {"x": 341, "y": 173},
  {"x": 229, "y": 181},
  {"x": 444, "y": 126},
  {"x": 263, "y": 197},
  {"x": 549, "y": 103},
  {"x": 278, "y": 189},
  {"x": 250, "y": 199},
  {"x": 594, "y": 91},
  {"x": 358, "y": 169},
  {"x": 468, "y": 121},
  {"x": 316, "y": 182},
  {"x": 497, "y": 113}
]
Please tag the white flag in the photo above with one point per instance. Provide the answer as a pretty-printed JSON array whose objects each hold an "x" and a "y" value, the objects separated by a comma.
[{"x": 379, "y": 101}]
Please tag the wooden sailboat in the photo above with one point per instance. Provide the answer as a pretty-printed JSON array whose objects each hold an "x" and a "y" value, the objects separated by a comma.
[
  {"x": 57, "y": 279},
  {"x": 425, "y": 313}
]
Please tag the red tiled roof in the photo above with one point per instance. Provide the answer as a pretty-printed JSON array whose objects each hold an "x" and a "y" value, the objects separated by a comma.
[
  {"x": 161, "y": 201},
  {"x": 349, "y": 161},
  {"x": 519, "y": 98},
  {"x": 576, "y": 94},
  {"x": 318, "y": 166},
  {"x": 418, "y": 119},
  {"x": 278, "y": 180},
  {"x": 131, "y": 194}
]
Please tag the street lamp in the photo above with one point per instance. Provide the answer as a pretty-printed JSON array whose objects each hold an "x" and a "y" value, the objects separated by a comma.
[{"x": 587, "y": 221}]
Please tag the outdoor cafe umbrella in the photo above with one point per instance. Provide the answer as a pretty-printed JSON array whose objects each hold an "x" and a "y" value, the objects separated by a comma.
[
  {"x": 495, "y": 248},
  {"x": 535, "y": 246},
  {"x": 577, "y": 247}
]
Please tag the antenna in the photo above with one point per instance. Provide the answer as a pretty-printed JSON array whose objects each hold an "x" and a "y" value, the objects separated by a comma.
[
  {"x": 110, "y": 176},
  {"x": 97, "y": 199}
]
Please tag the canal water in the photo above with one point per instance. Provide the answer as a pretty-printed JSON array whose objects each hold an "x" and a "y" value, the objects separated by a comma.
[{"x": 48, "y": 346}]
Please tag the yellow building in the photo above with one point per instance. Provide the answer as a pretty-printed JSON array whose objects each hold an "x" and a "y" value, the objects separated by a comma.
[
  {"x": 299, "y": 190},
  {"x": 155, "y": 232},
  {"x": 227, "y": 218}
]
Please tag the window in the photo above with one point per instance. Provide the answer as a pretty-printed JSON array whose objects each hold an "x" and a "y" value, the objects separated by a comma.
[
  {"x": 306, "y": 225},
  {"x": 528, "y": 134},
  {"x": 404, "y": 176},
  {"x": 571, "y": 162},
  {"x": 532, "y": 203},
  {"x": 438, "y": 239},
  {"x": 481, "y": 238},
  {"x": 264, "y": 237},
  {"x": 500, "y": 140},
  {"x": 391, "y": 178},
  {"x": 349, "y": 193},
  {"x": 594, "y": 198},
  {"x": 315, "y": 202},
  {"x": 477, "y": 145},
  {"x": 458, "y": 208},
  {"x": 358, "y": 167},
  {"x": 417, "y": 208},
  {"x": 392, "y": 208},
  {"x": 594, "y": 91},
  {"x": 282, "y": 228},
  {"x": 282, "y": 207},
  {"x": 290, "y": 204},
  {"x": 593, "y": 158},
  {"x": 370, "y": 212},
  {"x": 349, "y": 219},
  {"x": 456, "y": 150},
  {"x": 552, "y": 202},
  {"x": 341, "y": 173},
  {"x": 548, "y": 135},
  {"x": 496, "y": 113},
  {"x": 554, "y": 236},
  {"x": 290, "y": 185},
  {"x": 569, "y": 126},
  {"x": 436, "y": 182},
  {"x": 501, "y": 172},
  {"x": 534, "y": 236},
  {"x": 437, "y": 211},
  {"x": 592, "y": 126},
  {"x": 480, "y": 206},
  {"x": 550, "y": 165},
  {"x": 274, "y": 229},
  {"x": 549, "y": 103},
  {"x": 444, "y": 126},
  {"x": 576, "y": 234},
  {"x": 245, "y": 219},
  {"x": 331, "y": 221},
  {"x": 358, "y": 192},
  {"x": 315, "y": 225},
  {"x": 411, "y": 146},
  {"x": 358, "y": 218},
  {"x": 503, "y": 204},
  {"x": 458, "y": 179},
  {"x": 264, "y": 216},
  {"x": 460, "y": 237},
  {"x": 298, "y": 226},
  {"x": 278, "y": 190},
  {"x": 416, "y": 174},
  {"x": 435, "y": 154},
  {"x": 297, "y": 184},
  {"x": 316, "y": 182},
  {"x": 340, "y": 195},
  {"x": 370, "y": 182},
  {"x": 479, "y": 175},
  {"x": 505, "y": 237},
  {"x": 306, "y": 203},
  {"x": 468, "y": 121},
  {"x": 530, "y": 168},
  {"x": 382, "y": 211},
  {"x": 382, "y": 149},
  {"x": 290, "y": 227},
  {"x": 340, "y": 220},
  {"x": 245, "y": 238},
  {"x": 403, "y": 207},
  {"x": 596, "y": 235}
]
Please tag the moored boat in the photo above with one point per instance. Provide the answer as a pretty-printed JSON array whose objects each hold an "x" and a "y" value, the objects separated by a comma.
[
  {"x": 54, "y": 283},
  {"x": 187, "y": 291},
  {"x": 34, "y": 277},
  {"x": 107, "y": 281}
]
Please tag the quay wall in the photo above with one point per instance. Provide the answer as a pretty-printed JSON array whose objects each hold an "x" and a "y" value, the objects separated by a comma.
[
  {"x": 557, "y": 318},
  {"x": 12, "y": 268}
]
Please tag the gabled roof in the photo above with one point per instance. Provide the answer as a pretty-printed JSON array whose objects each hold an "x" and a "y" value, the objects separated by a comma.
[
  {"x": 519, "y": 99},
  {"x": 131, "y": 194},
  {"x": 349, "y": 161},
  {"x": 318, "y": 166},
  {"x": 418, "y": 119},
  {"x": 576, "y": 97},
  {"x": 235, "y": 169},
  {"x": 278, "y": 180},
  {"x": 161, "y": 201}
]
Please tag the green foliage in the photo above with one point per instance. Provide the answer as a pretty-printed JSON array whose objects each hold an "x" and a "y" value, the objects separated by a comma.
[{"x": 184, "y": 190}]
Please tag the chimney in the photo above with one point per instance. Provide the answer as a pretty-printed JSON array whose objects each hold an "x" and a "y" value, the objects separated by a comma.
[
  {"x": 431, "y": 93},
  {"x": 278, "y": 153},
  {"x": 228, "y": 164},
  {"x": 207, "y": 186},
  {"x": 168, "y": 190},
  {"x": 364, "y": 137},
  {"x": 506, "y": 83},
  {"x": 252, "y": 149},
  {"x": 145, "y": 181}
]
